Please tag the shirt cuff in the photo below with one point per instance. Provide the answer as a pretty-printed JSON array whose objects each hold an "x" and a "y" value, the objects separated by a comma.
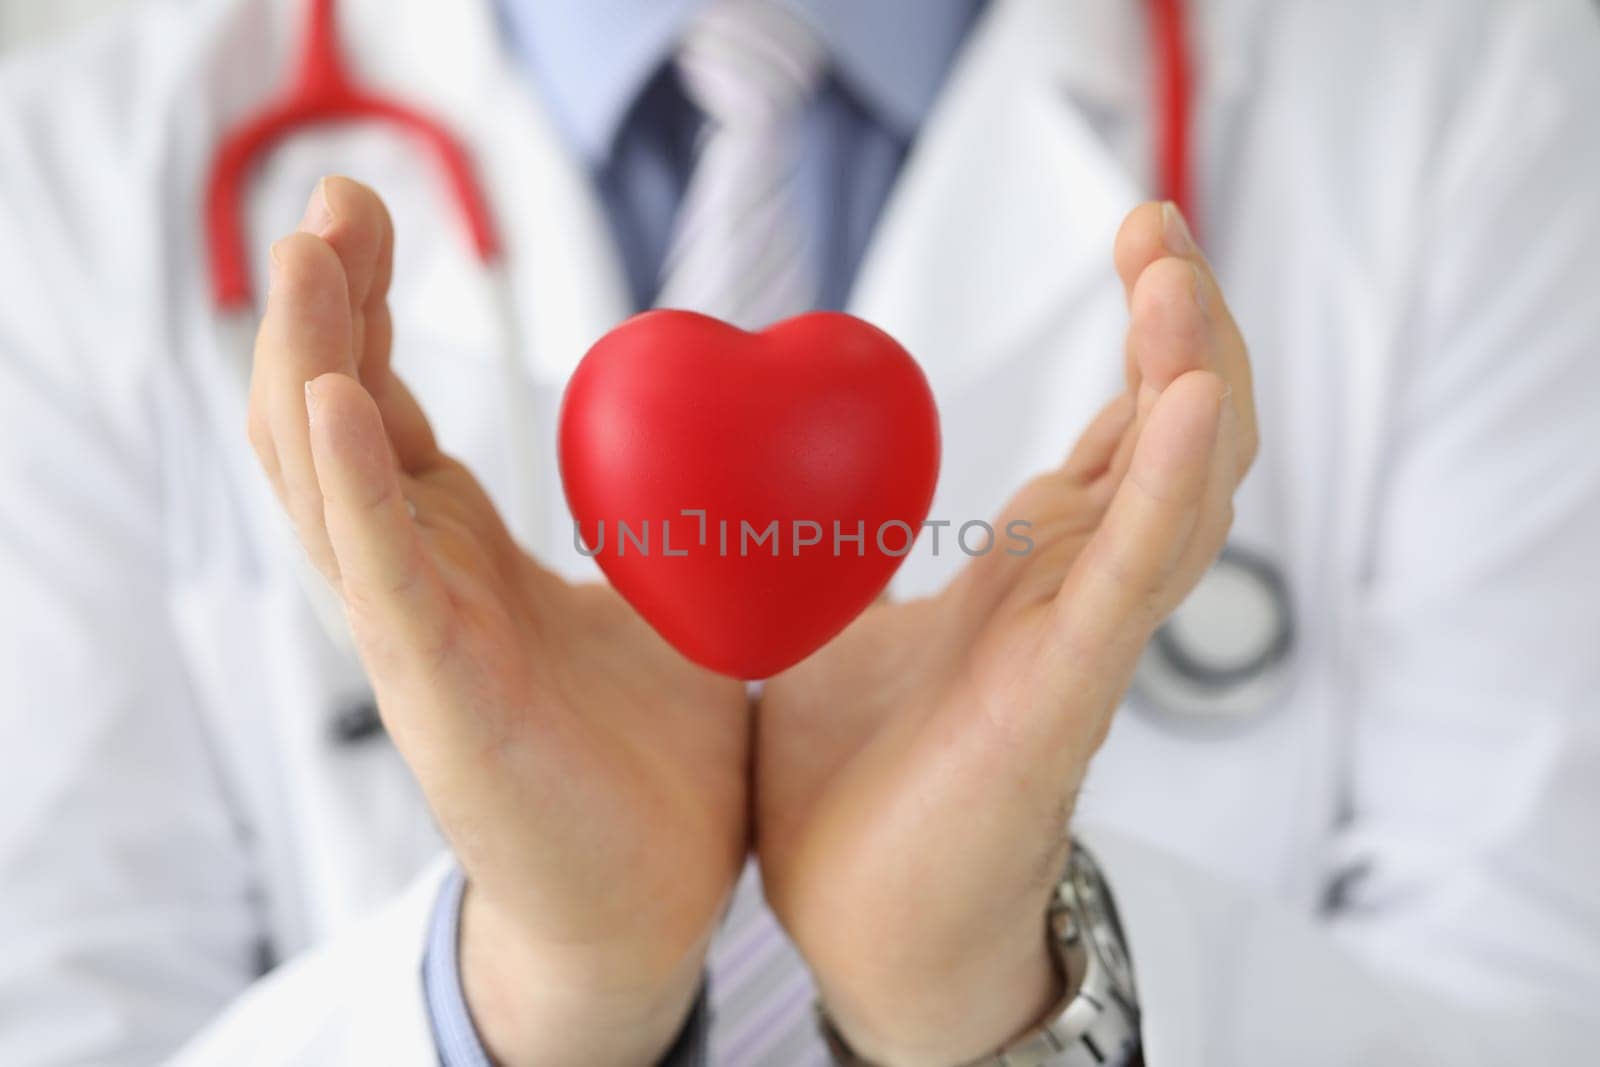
[{"x": 454, "y": 1034}]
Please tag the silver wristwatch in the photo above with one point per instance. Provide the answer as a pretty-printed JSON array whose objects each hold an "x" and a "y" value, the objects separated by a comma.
[{"x": 1096, "y": 1023}]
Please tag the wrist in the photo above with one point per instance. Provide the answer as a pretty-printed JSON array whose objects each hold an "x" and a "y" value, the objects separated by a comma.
[
  {"x": 1094, "y": 1017},
  {"x": 956, "y": 1013},
  {"x": 561, "y": 1004}
]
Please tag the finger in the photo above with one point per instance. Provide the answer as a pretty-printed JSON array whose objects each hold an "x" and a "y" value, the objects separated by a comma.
[
  {"x": 1141, "y": 240},
  {"x": 306, "y": 332},
  {"x": 1096, "y": 448},
  {"x": 1216, "y": 513},
  {"x": 1122, "y": 583},
  {"x": 353, "y": 221},
  {"x": 410, "y": 434},
  {"x": 398, "y": 606},
  {"x": 1155, "y": 232},
  {"x": 1051, "y": 507},
  {"x": 1138, "y": 244},
  {"x": 364, "y": 238},
  {"x": 1167, "y": 336}
]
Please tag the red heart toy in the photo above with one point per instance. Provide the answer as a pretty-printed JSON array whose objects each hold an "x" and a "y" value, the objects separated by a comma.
[{"x": 748, "y": 493}]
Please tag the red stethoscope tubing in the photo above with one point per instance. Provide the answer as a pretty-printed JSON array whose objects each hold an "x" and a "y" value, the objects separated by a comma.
[
  {"x": 323, "y": 92},
  {"x": 1172, "y": 92}
]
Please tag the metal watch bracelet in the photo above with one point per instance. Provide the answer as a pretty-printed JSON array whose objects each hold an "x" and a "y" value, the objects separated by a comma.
[{"x": 1096, "y": 1022}]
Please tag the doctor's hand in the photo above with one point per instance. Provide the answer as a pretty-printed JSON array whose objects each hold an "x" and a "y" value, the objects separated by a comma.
[
  {"x": 591, "y": 782},
  {"x": 915, "y": 778}
]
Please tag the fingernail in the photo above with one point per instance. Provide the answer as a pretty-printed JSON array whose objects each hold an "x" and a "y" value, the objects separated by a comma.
[
  {"x": 319, "y": 216},
  {"x": 1175, "y": 232},
  {"x": 311, "y": 402}
]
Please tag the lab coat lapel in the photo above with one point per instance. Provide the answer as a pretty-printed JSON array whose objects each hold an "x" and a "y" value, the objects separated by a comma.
[{"x": 1005, "y": 215}]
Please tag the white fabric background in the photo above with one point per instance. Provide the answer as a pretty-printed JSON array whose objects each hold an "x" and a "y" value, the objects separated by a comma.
[{"x": 25, "y": 22}]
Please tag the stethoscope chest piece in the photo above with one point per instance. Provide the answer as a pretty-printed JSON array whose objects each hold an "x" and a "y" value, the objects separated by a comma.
[{"x": 1225, "y": 657}]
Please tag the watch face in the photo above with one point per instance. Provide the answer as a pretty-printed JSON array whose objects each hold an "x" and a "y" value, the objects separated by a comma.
[{"x": 1104, "y": 930}]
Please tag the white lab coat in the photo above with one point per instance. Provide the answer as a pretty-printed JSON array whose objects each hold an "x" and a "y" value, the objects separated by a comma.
[{"x": 1400, "y": 198}]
